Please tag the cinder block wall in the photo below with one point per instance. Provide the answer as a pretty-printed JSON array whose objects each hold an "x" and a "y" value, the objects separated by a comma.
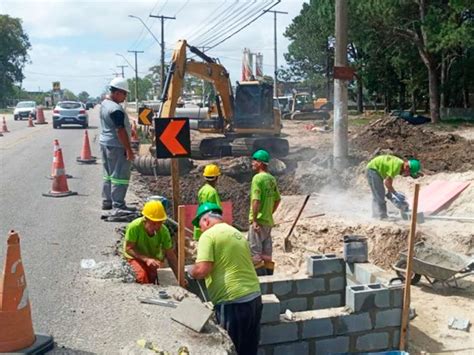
[{"x": 369, "y": 322}]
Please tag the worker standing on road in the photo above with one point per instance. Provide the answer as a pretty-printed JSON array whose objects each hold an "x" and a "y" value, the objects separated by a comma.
[
  {"x": 264, "y": 200},
  {"x": 147, "y": 242},
  {"x": 208, "y": 192},
  {"x": 224, "y": 260},
  {"x": 117, "y": 153},
  {"x": 381, "y": 171}
]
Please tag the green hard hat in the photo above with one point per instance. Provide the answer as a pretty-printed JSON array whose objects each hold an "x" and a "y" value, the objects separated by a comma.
[
  {"x": 261, "y": 155},
  {"x": 203, "y": 209},
  {"x": 415, "y": 167}
]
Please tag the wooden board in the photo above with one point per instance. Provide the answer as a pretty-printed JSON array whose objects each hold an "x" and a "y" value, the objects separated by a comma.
[{"x": 438, "y": 194}]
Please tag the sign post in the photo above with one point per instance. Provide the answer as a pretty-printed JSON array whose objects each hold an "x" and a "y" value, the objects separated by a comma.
[{"x": 181, "y": 244}]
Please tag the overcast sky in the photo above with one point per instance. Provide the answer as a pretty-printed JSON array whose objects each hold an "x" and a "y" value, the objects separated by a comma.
[{"x": 76, "y": 41}]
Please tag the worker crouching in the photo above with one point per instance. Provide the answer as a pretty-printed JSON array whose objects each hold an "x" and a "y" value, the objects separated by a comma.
[
  {"x": 224, "y": 261},
  {"x": 147, "y": 242}
]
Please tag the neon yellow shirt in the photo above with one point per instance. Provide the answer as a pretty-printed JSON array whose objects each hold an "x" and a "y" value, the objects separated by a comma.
[
  {"x": 264, "y": 189},
  {"x": 207, "y": 193},
  {"x": 386, "y": 165},
  {"x": 233, "y": 274},
  {"x": 151, "y": 246}
]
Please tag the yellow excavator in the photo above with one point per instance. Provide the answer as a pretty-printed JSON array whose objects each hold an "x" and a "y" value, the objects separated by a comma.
[{"x": 245, "y": 122}]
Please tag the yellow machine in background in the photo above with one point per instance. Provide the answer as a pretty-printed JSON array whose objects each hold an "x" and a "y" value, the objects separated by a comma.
[
  {"x": 304, "y": 107},
  {"x": 247, "y": 122}
]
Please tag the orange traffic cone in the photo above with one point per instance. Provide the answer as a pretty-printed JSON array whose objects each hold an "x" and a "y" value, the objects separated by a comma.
[
  {"x": 56, "y": 147},
  {"x": 86, "y": 156},
  {"x": 17, "y": 333},
  {"x": 134, "y": 140},
  {"x": 60, "y": 188},
  {"x": 30, "y": 121},
  {"x": 40, "y": 116},
  {"x": 4, "y": 126}
]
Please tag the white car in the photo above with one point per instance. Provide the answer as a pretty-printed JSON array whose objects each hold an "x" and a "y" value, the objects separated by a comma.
[{"x": 24, "y": 109}]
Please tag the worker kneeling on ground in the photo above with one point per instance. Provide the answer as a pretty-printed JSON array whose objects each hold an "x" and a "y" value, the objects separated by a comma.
[
  {"x": 382, "y": 170},
  {"x": 264, "y": 200},
  {"x": 224, "y": 260},
  {"x": 147, "y": 242},
  {"x": 208, "y": 192}
]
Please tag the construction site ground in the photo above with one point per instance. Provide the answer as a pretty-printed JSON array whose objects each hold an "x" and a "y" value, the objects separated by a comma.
[{"x": 446, "y": 152}]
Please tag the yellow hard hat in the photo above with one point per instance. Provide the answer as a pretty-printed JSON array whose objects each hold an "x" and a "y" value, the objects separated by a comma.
[
  {"x": 211, "y": 170},
  {"x": 154, "y": 211}
]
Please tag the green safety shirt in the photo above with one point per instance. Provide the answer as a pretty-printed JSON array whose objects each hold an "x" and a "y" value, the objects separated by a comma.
[
  {"x": 264, "y": 189},
  {"x": 207, "y": 193},
  {"x": 233, "y": 274},
  {"x": 152, "y": 246},
  {"x": 386, "y": 165}
]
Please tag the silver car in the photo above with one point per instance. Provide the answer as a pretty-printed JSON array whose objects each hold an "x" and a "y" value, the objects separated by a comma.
[{"x": 70, "y": 112}]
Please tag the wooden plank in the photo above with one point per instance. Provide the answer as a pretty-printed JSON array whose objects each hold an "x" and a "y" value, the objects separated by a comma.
[
  {"x": 175, "y": 186},
  {"x": 438, "y": 194},
  {"x": 181, "y": 250},
  {"x": 409, "y": 269}
]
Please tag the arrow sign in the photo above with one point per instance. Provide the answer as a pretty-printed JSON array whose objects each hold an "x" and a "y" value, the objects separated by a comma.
[
  {"x": 145, "y": 115},
  {"x": 173, "y": 138}
]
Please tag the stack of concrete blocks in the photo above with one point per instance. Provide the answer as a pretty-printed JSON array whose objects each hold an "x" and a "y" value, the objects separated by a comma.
[{"x": 329, "y": 317}]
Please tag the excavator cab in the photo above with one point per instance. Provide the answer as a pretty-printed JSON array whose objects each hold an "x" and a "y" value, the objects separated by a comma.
[{"x": 253, "y": 106}]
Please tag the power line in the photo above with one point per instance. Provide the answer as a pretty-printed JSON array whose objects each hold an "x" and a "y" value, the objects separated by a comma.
[{"x": 204, "y": 24}]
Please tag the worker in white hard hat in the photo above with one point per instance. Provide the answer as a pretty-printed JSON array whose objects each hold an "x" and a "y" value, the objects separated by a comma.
[
  {"x": 208, "y": 192},
  {"x": 147, "y": 243},
  {"x": 117, "y": 153}
]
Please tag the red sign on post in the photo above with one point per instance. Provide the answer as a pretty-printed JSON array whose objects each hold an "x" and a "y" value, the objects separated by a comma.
[{"x": 344, "y": 73}]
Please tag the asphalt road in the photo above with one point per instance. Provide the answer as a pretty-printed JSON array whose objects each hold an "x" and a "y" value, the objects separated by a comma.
[{"x": 56, "y": 233}]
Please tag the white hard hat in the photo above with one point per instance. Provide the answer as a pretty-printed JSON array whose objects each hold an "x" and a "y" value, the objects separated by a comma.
[{"x": 119, "y": 83}]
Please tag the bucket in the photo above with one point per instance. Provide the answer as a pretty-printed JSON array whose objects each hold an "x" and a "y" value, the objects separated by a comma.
[{"x": 355, "y": 249}]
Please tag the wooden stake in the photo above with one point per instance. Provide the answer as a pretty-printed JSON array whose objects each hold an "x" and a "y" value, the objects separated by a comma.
[
  {"x": 175, "y": 186},
  {"x": 408, "y": 271},
  {"x": 181, "y": 251},
  {"x": 286, "y": 243}
]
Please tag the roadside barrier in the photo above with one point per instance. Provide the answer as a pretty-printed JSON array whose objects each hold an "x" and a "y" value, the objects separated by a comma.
[
  {"x": 17, "y": 333},
  {"x": 59, "y": 188},
  {"x": 86, "y": 155},
  {"x": 40, "y": 116},
  {"x": 4, "y": 126}
]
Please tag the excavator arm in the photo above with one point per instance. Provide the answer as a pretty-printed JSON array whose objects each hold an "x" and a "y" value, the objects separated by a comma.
[{"x": 209, "y": 71}]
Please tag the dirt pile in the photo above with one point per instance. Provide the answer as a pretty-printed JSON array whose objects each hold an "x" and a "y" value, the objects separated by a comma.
[{"x": 437, "y": 152}]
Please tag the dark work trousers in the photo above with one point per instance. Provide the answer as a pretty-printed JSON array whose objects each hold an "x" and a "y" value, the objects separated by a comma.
[
  {"x": 242, "y": 323},
  {"x": 116, "y": 176},
  {"x": 379, "y": 206}
]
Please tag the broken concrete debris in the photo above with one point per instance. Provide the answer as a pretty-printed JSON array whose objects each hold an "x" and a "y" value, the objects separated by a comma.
[{"x": 459, "y": 324}]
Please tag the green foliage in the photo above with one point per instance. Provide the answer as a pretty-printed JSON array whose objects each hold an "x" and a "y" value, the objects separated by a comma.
[
  {"x": 14, "y": 46},
  {"x": 145, "y": 86},
  {"x": 83, "y": 96},
  {"x": 69, "y": 95}
]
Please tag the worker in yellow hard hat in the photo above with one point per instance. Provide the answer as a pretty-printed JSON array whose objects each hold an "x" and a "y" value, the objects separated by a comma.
[
  {"x": 208, "y": 192},
  {"x": 147, "y": 242}
]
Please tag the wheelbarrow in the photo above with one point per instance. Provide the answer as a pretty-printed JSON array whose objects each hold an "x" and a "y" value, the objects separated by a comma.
[{"x": 435, "y": 264}]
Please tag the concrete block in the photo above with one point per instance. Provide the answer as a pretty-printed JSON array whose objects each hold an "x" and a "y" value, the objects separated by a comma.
[
  {"x": 271, "y": 309},
  {"x": 278, "y": 333},
  {"x": 265, "y": 288},
  {"x": 297, "y": 348},
  {"x": 283, "y": 287},
  {"x": 327, "y": 301},
  {"x": 332, "y": 345},
  {"x": 459, "y": 323},
  {"x": 366, "y": 297},
  {"x": 365, "y": 272},
  {"x": 372, "y": 342},
  {"x": 337, "y": 283},
  {"x": 320, "y": 265},
  {"x": 192, "y": 313},
  {"x": 352, "y": 323},
  {"x": 396, "y": 296},
  {"x": 294, "y": 304},
  {"x": 317, "y": 328},
  {"x": 309, "y": 286},
  {"x": 396, "y": 339},
  {"x": 388, "y": 318}
]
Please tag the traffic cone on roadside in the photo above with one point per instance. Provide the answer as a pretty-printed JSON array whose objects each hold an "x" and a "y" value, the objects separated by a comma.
[
  {"x": 86, "y": 156},
  {"x": 40, "y": 116},
  {"x": 4, "y": 126},
  {"x": 56, "y": 147},
  {"x": 60, "y": 188},
  {"x": 134, "y": 140},
  {"x": 17, "y": 334},
  {"x": 30, "y": 121}
]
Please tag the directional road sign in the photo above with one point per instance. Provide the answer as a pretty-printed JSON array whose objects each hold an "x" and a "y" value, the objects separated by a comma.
[
  {"x": 173, "y": 139},
  {"x": 145, "y": 116}
]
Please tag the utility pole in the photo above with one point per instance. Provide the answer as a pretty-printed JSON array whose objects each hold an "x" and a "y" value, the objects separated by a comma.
[
  {"x": 122, "y": 66},
  {"x": 136, "y": 76},
  {"x": 275, "y": 52},
  {"x": 163, "y": 18},
  {"x": 340, "y": 147}
]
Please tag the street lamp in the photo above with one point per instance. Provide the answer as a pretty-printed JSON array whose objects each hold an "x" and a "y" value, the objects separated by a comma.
[{"x": 144, "y": 24}]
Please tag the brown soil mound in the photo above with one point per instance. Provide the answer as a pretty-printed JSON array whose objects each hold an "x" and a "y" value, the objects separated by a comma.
[{"x": 437, "y": 152}]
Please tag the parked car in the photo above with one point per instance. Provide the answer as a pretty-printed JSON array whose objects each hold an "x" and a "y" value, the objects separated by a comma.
[
  {"x": 23, "y": 109},
  {"x": 70, "y": 112},
  {"x": 90, "y": 104}
]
